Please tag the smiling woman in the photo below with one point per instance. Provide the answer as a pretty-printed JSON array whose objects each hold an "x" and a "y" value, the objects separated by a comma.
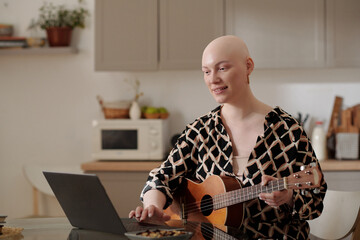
[{"x": 271, "y": 142}]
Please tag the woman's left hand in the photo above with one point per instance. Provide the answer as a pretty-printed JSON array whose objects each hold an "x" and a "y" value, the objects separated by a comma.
[{"x": 276, "y": 198}]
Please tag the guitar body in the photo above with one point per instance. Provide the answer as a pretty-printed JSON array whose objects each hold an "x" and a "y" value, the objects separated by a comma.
[
  {"x": 218, "y": 200},
  {"x": 194, "y": 202}
]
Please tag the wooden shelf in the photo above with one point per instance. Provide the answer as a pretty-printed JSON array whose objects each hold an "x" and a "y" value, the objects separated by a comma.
[{"x": 39, "y": 51}]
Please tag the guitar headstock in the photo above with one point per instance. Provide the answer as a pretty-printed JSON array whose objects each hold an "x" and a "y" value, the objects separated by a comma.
[{"x": 309, "y": 177}]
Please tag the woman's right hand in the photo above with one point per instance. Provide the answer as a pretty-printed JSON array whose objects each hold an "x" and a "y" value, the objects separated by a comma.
[{"x": 151, "y": 214}]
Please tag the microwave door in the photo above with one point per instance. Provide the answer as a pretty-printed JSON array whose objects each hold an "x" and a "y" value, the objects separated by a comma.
[
  {"x": 120, "y": 139},
  {"x": 122, "y": 144}
]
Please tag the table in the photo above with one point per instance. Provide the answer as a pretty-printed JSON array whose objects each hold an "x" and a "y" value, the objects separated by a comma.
[{"x": 60, "y": 229}]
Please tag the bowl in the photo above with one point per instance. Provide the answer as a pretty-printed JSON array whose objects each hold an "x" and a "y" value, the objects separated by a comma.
[{"x": 180, "y": 234}]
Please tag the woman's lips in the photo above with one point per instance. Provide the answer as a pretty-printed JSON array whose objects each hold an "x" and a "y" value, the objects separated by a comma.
[{"x": 219, "y": 89}]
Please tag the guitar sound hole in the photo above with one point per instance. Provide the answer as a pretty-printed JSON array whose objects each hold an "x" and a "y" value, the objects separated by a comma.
[{"x": 206, "y": 205}]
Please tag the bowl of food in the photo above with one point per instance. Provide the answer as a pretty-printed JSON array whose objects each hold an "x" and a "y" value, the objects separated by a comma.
[{"x": 160, "y": 234}]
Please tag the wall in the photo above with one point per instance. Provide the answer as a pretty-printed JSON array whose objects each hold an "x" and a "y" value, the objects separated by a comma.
[{"x": 47, "y": 102}]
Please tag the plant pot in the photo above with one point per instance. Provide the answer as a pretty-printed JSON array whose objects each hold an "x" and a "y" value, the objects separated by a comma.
[{"x": 59, "y": 36}]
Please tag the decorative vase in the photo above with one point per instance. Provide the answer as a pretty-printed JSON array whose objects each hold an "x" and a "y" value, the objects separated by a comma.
[
  {"x": 59, "y": 36},
  {"x": 135, "y": 111}
]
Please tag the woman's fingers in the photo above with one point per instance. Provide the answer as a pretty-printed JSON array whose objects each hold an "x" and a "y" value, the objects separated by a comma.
[
  {"x": 275, "y": 198},
  {"x": 131, "y": 214},
  {"x": 149, "y": 213}
]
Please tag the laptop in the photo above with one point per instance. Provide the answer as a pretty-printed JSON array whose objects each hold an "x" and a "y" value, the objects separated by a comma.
[{"x": 87, "y": 205}]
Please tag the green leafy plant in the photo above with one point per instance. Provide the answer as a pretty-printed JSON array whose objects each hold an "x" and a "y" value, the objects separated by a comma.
[{"x": 59, "y": 16}]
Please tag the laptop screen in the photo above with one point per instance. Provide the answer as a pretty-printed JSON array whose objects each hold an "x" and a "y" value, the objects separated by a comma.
[{"x": 85, "y": 201}]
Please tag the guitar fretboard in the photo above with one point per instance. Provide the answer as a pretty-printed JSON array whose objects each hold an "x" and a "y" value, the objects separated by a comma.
[{"x": 245, "y": 194}]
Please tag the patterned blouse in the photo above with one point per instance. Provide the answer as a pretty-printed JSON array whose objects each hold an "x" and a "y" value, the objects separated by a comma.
[{"x": 204, "y": 149}]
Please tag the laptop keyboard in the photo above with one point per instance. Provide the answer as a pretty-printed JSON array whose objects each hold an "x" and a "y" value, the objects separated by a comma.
[{"x": 132, "y": 225}]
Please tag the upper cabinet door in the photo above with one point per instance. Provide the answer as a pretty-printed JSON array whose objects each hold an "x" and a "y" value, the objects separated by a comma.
[
  {"x": 343, "y": 33},
  {"x": 280, "y": 33},
  {"x": 186, "y": 27},
  {"x": 126, "y": 35}
]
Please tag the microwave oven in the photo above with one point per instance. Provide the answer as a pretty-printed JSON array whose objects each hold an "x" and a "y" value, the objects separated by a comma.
[{"x": 127, "y": 139}]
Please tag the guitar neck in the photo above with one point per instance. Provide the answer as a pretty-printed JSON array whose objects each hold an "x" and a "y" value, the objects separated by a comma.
[{"x": 244, "y": 194}]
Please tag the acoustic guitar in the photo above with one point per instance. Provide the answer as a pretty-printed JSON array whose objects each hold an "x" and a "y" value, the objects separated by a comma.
[{"x": 218, "y": 200}]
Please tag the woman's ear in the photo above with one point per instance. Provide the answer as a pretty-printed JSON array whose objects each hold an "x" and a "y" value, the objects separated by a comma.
[{"x": 249, "y": 65}]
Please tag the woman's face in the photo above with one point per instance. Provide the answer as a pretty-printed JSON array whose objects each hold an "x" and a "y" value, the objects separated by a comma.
[{"x": 225, "y": 75}]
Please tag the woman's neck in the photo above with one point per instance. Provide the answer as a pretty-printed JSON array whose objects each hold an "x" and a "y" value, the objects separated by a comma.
[{"x": 246, "y": 108}]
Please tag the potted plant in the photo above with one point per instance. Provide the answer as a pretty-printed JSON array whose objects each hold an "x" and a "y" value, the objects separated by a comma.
[{"x": 59, "y": 21}]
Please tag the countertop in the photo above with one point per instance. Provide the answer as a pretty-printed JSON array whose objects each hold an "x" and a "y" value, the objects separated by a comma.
[
  {"x": 145, "y": 166},
  {"x": 60, "y": 229}
]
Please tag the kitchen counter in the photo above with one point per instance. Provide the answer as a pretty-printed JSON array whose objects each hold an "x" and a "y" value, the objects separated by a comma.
[
  {"x": 340, "y": 165},
  {"x": 120, "y": 166},
  {"x": 145, "y": 166}
]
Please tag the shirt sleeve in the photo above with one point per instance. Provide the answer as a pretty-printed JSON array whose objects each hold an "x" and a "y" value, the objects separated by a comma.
[
  {"x": 168, "y": 177},
  {"x": 307, "y": 205}
]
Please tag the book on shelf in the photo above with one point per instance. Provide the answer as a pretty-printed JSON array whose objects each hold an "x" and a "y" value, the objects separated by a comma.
[
  {"x": 2, "y": 218},
  {"x": 10, "y": 42}
]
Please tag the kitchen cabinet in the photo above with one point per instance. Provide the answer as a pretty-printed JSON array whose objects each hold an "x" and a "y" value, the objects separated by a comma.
[
  {"x": 186, "y": 27},
  {"x": 120, "y": 176},
  {"x": 343, "y": 33},
  {"x": 280, "y": 33},
  {"x": 125, "y": 34},
  {"x": 171, "y": 34},
  {"x": 297, "y": 34},
  {"x": 151, "y": 34}
]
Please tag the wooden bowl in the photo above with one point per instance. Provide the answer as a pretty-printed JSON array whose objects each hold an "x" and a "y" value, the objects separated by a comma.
[{"x": 152, "y": 115}]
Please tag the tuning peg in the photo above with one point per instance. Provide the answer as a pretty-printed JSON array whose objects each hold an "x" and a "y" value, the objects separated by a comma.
[
  {"x": 316, "y": 190},
  {"x": 313, "y": 164},
  {"x": 304, "y": 192},
  {"x": 302, "y": 167}
]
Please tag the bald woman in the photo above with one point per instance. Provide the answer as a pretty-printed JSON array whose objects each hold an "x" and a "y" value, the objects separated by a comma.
[{"x": 243, "y": 138}]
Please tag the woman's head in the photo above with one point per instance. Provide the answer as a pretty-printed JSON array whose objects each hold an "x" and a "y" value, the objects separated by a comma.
[{"x": 227, "y": 64}]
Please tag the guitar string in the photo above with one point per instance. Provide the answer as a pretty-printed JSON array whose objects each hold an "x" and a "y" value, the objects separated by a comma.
[
  {"x": 207, "y": 234},
  {"x": 218, "y": 233},
  {"x": 208, "y": 204},
  {"x": 210, "y": 231},
  {"x": 194, "y": 207}
]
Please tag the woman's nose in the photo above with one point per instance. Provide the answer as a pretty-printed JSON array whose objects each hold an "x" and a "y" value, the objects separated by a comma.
[{"x": 213, "y": 77}]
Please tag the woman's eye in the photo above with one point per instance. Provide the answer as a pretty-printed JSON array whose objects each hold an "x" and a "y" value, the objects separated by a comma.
[{"x": 222, "y": 69}]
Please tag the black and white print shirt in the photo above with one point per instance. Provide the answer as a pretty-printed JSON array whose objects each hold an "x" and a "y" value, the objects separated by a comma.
[{"x": 204, "y": 149}]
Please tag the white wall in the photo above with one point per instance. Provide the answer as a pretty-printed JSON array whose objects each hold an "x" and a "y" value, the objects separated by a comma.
[{"x": 47, "y": 102}]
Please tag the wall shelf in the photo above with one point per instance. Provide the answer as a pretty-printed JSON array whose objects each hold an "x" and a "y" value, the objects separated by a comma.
[{"x": 39, "y": 51}]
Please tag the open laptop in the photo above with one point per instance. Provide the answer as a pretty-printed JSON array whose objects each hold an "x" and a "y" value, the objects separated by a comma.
[{"x": 87, "y": 205}]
